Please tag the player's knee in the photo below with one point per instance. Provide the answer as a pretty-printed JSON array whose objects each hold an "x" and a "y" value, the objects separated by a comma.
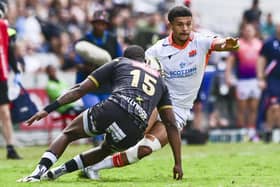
[
  {"x": 144, "y": 151},
  {"x": 143, "y": 148},
  {"x": 148, "y": 145}
]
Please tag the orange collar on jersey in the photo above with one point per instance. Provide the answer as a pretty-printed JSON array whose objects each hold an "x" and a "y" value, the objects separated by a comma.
[{"x": 172, "y": 43}]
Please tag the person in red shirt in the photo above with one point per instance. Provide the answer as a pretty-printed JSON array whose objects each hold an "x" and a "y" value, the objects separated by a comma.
[{"x": 5, "y": 117}]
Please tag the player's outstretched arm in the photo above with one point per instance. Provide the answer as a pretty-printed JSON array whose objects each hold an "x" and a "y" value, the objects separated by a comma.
[
  {"x": 174, "y": 139},
  {"x": 226, "y": 44},
  {"x": 71, "y": 95}
]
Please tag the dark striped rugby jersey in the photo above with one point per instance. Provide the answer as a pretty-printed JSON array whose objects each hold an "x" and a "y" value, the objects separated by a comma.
[{"x": 136, "y": 87}]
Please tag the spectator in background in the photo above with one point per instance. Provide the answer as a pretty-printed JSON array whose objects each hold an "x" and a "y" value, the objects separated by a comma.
[
  {"x": 100, "y": 37},
  {"x": 247, "y": 90},
  {"x": 252, "y": 16},
  {"x": 55, "y": 88},
  {"x": 149, "y": 33},
  {"x": 67, "y": 54},
  {"x": 222, "y": 97},
  {"x": 268, "y": 72},
  {"x": 268, "y": 27},
  {"x": 120, "y": 20},
  {"x": 30, "y": 29},
  {"x": 6, "y": 59}
]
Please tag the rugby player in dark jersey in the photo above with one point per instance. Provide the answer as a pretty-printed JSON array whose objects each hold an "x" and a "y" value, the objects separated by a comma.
[{"x": 136, "y": 90}]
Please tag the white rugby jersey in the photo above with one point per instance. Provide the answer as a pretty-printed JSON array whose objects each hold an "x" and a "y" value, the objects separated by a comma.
[{"x": 183, "y": 65}]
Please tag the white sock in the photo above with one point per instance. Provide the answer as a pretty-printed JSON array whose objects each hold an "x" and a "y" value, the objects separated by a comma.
[
  {"x": 79, "y": 161},
  {"x": 107, "y": 163}
]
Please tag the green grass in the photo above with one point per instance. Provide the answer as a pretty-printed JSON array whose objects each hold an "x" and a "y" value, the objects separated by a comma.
[{"x": 219, "y": 165}]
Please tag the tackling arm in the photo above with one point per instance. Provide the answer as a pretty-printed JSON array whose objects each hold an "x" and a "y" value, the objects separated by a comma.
[{"x": 72, "y": 95}]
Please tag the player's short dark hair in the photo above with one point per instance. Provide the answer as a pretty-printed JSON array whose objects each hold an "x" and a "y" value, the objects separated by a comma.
[
  {"x": 135, "y": 52},
  {"x": 179, "y": 11}
]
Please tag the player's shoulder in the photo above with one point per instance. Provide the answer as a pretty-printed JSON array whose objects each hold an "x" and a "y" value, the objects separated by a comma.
[
  {"x": 161, "y": 48},
  {"x": 118, "y": 59},
  {"x": 162, "y": 43},
  {"x": 121, "y": 62},
  {"x": 202, "y": 35}
]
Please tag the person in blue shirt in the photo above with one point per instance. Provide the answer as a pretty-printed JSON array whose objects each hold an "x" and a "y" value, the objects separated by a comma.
[
  {"x": 101, "y": 37},
  {"x": 268, "y": 73}
]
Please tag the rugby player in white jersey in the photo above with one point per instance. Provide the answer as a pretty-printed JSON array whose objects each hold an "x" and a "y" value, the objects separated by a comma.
[{"x": 183, "y": 56}]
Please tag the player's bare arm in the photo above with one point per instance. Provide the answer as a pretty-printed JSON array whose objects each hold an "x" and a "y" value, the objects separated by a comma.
[
  {"x": 260, "y": 72},
  {"x": 71, "y": 95},
  {"x": 174, "y": 139},
  {"x": 226, "y": 44}
]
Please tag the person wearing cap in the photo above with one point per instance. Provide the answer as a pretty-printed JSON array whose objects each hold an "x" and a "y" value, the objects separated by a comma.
[
  {"x": 101, "y": 37},
  {"x": 123, "y": 117},
  {"x": 7, "y": 36}
]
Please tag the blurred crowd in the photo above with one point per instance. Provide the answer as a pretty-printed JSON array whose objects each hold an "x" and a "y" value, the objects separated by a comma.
[
  {"x": 48, "y": 29},
  {"x": 52, "y": 26}
]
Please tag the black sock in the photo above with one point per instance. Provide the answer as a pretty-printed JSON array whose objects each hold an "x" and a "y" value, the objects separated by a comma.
[
  {"x": 10, "y": 148},
  {"x": 71, "y": 166},
  {"x": 46, "y": 162},
  {"x": 74, "y": 164}
]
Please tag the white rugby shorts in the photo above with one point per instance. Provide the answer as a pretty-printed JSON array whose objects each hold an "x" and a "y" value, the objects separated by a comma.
[{"x": 247, "y": 88}]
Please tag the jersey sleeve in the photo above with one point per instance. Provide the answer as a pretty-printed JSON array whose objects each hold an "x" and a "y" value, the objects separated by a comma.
[
  {"x": 165, "y": 101},
  {"x": 208, "y": 42},
  {"x": 102, "y": 74}
]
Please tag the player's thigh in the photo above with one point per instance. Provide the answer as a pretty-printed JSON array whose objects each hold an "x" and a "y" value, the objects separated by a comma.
[
  {"x": 158, "y": 130},
  {"x": 76, "y": 128},
  {"x": 123, "y": 133},
  {"x": 152, "y": 120}
]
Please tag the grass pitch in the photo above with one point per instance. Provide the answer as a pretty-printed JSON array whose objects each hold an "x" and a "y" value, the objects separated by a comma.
[{"x": 218, "y": 165}]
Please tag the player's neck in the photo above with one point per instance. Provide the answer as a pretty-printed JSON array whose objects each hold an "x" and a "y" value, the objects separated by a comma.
[{"x": 179, "y": 42}]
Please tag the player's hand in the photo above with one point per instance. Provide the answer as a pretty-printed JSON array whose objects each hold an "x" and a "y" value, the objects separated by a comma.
[
  {"x": 177, "y": 172},
  {"x": 231, "y": 43},
  {"x": 36, "y": 117}
]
